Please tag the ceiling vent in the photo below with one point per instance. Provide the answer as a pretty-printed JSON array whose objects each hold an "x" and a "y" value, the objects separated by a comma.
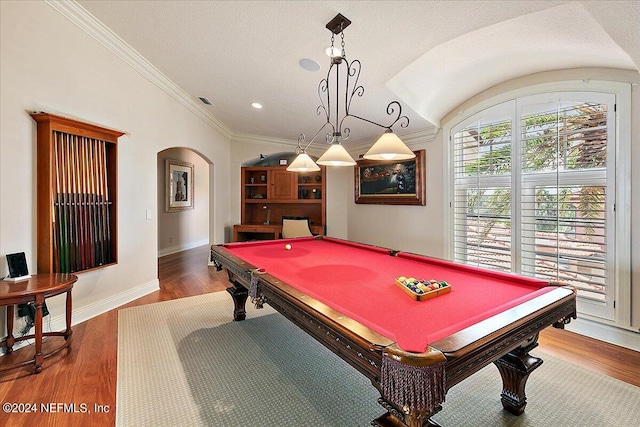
[{"x": 205, "y": 100}]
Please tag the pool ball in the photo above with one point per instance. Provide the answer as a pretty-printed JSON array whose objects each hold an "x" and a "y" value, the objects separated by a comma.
[{"x": 287, "y": 247}]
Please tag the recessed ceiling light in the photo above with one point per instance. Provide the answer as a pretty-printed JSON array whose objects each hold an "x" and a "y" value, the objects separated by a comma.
[
  {"x": 309, "y": 64},
  {"x": 256, "y": 105}
]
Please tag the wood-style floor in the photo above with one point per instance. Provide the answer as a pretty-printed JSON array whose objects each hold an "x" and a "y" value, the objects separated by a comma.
[{"x": 85, "y": 375}]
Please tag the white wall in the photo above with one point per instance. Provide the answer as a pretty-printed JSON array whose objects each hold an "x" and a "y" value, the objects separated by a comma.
[
  {"x": 339, "y": 199},
  {"x": 181, "y": 230},
  {"x": 49, "y": 64},
  {"x": 415, "y": 229}
]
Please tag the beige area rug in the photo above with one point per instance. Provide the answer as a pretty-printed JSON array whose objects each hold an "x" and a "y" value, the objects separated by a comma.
[{"x": 185, "y": 363}]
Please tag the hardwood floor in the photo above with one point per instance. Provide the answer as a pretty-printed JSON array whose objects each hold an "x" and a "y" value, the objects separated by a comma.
[{"x": 85, "y": 374}]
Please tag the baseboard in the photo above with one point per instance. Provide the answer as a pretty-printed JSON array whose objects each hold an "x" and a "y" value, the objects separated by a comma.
[
  {"x": 82, "y": 314},
  {"x": 183, "y": 247},
  {"x": 606, "y": 333},
  {"x": 99, "y": 307}
]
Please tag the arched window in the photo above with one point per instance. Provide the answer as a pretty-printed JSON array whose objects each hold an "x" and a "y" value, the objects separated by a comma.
[{"x": 536, "y": 185}]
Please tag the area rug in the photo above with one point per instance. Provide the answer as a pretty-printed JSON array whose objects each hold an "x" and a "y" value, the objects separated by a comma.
[{"x": 185, "y": 363}]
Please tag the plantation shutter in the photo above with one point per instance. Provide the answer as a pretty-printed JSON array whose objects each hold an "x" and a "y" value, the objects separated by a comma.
[
  {"x": 533, "y": 184},
  {"x": 564, "y": 192},
  {"x": 482, "y": 170}
]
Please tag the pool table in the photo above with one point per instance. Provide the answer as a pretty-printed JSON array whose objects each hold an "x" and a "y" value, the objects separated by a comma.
[{"x": 344, "y": 294}]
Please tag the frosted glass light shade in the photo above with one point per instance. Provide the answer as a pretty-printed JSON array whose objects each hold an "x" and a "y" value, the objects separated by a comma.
[
  {"x": 336, "y": 155},
  {"x": 303, "y": 163},
  {"x": 389, "y": 147}
]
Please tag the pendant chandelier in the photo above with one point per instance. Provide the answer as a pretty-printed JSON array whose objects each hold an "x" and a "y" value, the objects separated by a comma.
[{"x": 388, "y": 147}]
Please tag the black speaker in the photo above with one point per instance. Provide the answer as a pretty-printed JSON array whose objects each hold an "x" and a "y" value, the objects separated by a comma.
[
  {"x": 29, "y": 310},
  {"x": 17, "y": 265}
]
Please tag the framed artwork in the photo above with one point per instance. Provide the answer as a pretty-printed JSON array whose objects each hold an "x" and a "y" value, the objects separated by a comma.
[
  {"x": 391, "y": 182},
  {"x": 179, "y": 185}
]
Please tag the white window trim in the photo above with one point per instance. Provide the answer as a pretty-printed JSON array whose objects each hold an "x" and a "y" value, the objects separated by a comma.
[{"x": 622, "y": 215}]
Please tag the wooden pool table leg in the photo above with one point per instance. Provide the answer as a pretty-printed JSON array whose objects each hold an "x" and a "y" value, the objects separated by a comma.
[
  {"x": 239, "y": 295},
  {"x": 515, "y": 368},
  {"x": 389, "y": 420},
  {"x": 405, "y": 418}
]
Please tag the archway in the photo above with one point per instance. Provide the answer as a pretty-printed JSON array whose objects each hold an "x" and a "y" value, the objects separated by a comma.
[{"x": 184, "y": 225}]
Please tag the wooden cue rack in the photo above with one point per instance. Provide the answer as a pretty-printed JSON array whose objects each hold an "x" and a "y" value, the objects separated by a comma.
[{"x": 77, "y": 226}]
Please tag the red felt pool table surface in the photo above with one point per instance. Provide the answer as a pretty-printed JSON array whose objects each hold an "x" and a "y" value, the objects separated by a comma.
[{"x": 359, "y": 281}]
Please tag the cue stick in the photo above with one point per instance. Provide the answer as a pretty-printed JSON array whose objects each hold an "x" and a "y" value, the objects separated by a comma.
[
  {"x": 73, "y": 206},
  {"x": 81, "y": 201},
  {"x": 109, "y": 203},
  {"x": 94, "y": 211},
  {"x": 106, "y": 197},
  {"x": 83, "y": 205},
  {"x": 65, "y": 200},
  {"x": 74, "y": 201},
  {"x": 55, "y": 268},
  {"x": 105, "y": 202},
  {"x": 99, "y": 207},
  {"x": 64, "y": 243},
  {"x": 87, "y": 201},
  {"x": 72, "y": 249}
]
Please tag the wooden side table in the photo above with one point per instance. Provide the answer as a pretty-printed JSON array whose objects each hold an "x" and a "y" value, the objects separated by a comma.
[{"x": 36, "y": 290}]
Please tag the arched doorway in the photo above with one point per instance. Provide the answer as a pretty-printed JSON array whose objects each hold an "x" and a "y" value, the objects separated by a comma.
[{"x": 187, "y": 228}]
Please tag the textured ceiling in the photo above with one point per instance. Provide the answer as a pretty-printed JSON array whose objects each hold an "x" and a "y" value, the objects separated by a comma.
[{"x": 430, "y": 55}]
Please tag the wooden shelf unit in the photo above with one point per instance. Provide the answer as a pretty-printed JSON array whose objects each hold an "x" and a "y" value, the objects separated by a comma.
[
  {"x": 87, "y": 206},
  {"x": 273, "y": 189}
]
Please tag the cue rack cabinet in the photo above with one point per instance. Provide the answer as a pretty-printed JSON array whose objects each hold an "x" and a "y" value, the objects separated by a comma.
[
  {"x": 274, "y": 192},
  {"x": 76, "y": 195}
]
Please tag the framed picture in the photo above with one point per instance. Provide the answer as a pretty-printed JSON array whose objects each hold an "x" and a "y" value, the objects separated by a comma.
[
  {"x": 179, "y": 185},
  {"x": 283, "y": 162},
  {"x": 391, "y": 182}
]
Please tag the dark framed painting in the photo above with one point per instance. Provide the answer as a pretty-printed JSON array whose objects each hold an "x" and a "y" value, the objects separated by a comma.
[
  {"x": 179, "y": 186},
  {"x": 392, "y": 182}
]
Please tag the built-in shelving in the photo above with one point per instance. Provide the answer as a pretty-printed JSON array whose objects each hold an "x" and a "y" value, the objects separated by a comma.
[{"x": 270, "y": 193}]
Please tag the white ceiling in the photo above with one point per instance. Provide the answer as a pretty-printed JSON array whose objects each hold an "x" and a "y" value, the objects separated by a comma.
[{"x": 429, "y": 55}]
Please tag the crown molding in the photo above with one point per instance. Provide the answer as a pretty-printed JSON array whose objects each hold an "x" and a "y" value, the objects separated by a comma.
[
  {"x": 289, "y": 144},
  {"x": 421, "y": 136},
  {"x": 96, "y": 29}
]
